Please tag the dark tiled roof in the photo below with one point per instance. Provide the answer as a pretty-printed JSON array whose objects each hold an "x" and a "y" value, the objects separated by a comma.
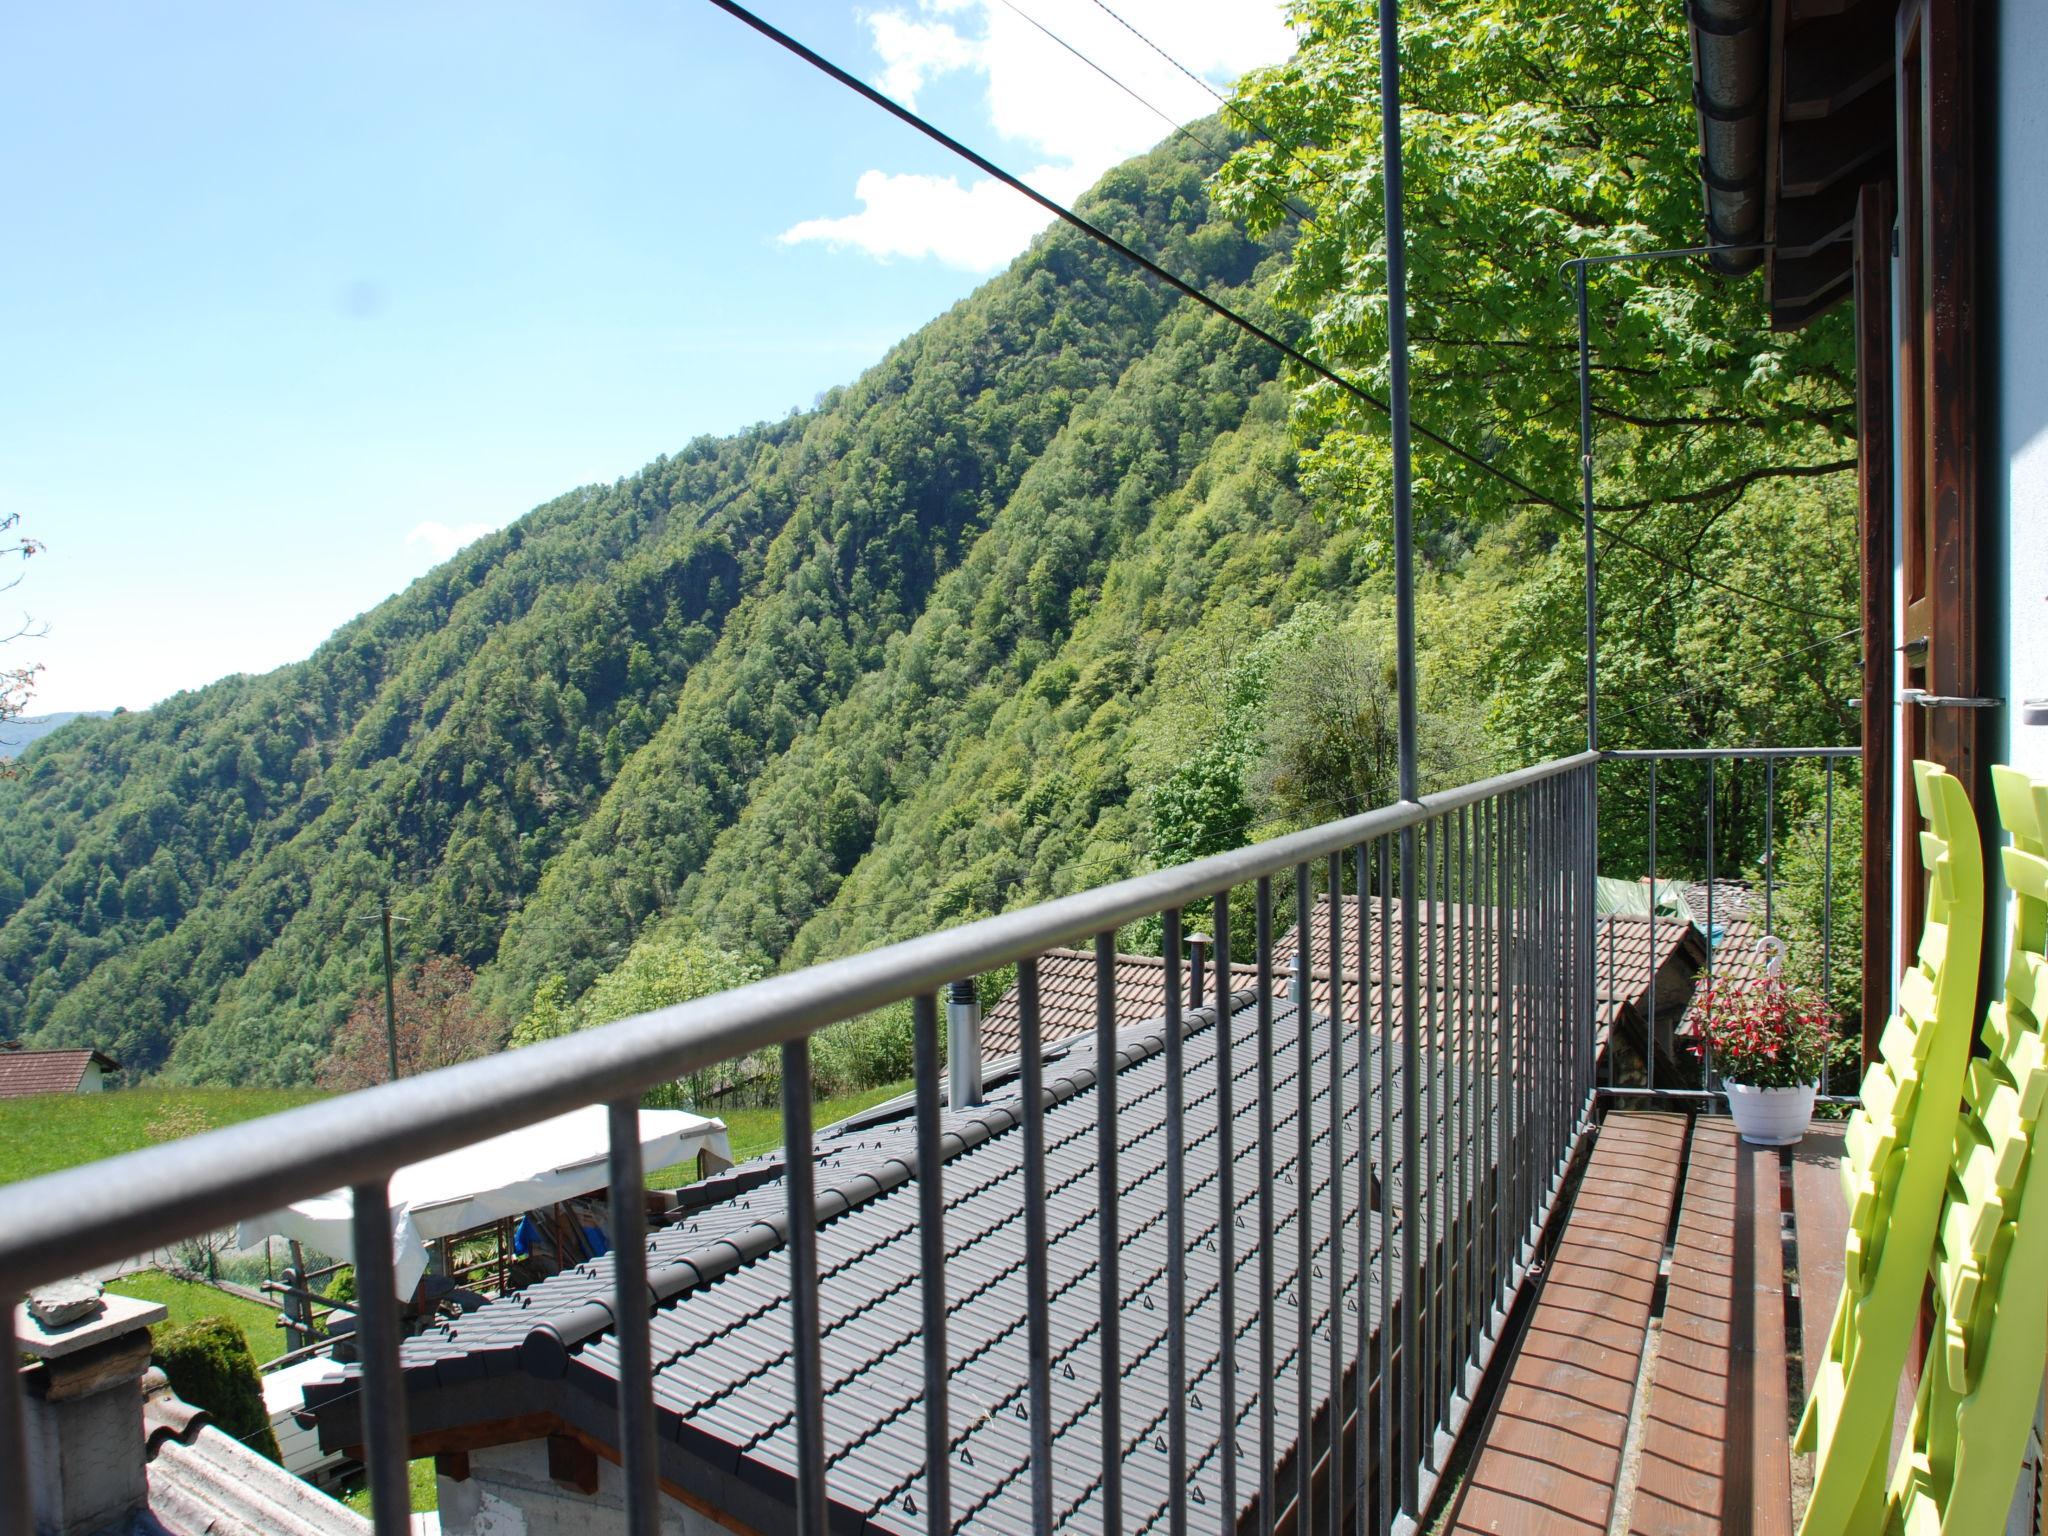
[
  {"x": 1066, "y": 998},
  {"x": 722, "y": 1339},
  {"x": 1626, "y": 968},
  {"x": 24, "y": 1074},
  {"x": 1452, "y": 938},
  {"x": 204, "y": 1482}
]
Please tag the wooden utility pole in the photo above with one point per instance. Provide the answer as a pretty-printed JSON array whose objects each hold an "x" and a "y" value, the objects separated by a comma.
[{"x": 390, "y": 995}]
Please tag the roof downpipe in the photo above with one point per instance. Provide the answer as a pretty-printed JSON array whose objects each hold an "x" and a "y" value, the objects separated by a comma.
[
  {"x": 1731, "y": 89},
  {"x": 963, "y": 1044}
]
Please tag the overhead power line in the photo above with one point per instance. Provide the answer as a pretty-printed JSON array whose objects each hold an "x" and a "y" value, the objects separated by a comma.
[
  {"x": 1287, "y": 207},
  {"x": 1216, "y": 306},
  {"x": 1229, "y": 104}
]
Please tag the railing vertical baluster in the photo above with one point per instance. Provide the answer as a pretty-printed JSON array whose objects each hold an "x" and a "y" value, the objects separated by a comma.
[
  {"x": 1827, "y": 904},
  {"x": 1411, "y": 1118},
  {"x": 1176, "y": 1237},
  {"x": 1491, "y": 1119},
  {"x": 1430, "y": 1043},
  {"x": 630, "y": 1303},
  {"x": 1365, "y": 1417},
  {"x": 1530, "y": 920},
  {"x": 1110, "y": 1237},
  {"x": 1304, "y": 1184},
  {"x": 1500, "y": 1090},
  {"x": 1264, "y": 1072},
  {"x": 385, "y": 1442},
  {"x": 1439, "y": 931},
  {"x": 1389, "y": 1310},
  {"x": 1544, "y": 932},
  {"x": 1506, "y": 1084},
  {"x": 1713, "y": 938},
  {"x": 1468, "y": 1128},
  {"x": 931, "y": 1243},
  {"x": 15, "y": 1511},
  {"x": 800, "y": 1177},
  {"x": 1650, "y": 1028},
  {"x": 1770, "y": 842},
  {"x": 1037, "y": 1264},
  {"x": 1335, "y": 1485},
  {"x": 1589, "y": 857},
  {"x": 1226, "y": 1220}
]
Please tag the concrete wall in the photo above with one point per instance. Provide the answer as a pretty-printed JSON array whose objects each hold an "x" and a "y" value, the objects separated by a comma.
[
  {"x": 94, "y": 1080},
  {"x": 508, "y": 1493},
  {"x": 2018, "y": 460}
]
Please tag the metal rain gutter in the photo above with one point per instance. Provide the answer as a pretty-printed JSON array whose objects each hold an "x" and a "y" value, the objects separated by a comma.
[{"x": 1731, "y": 88}]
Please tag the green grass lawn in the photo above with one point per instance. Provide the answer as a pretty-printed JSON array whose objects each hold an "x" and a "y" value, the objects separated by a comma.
[
  {"x": 189, "y": 1301},
  {"x": 42, "y": 1135},
  {"x": 426, "y": 1495},
  {"x": 754, "y": 1131}
]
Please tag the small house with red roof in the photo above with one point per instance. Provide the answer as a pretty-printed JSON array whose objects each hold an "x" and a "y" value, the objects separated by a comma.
[{"x": 28, "y": 1074}]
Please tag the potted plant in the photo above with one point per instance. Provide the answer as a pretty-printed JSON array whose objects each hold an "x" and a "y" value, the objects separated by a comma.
[{"x": 1768, "y": 1039}]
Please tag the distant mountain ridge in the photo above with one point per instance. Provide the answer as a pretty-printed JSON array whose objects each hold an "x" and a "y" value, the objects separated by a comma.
[
  {"x": 818, "y": 683},
  {"x": 16, "y": 735}
]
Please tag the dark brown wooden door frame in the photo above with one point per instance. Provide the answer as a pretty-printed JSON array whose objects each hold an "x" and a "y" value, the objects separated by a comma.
[
  {"x": 1938, "y": 443},
  {"x": 1873, "y": 276}
]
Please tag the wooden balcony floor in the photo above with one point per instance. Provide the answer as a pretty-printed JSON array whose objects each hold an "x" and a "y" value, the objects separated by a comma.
[{"x": 1654, "y": 1384}]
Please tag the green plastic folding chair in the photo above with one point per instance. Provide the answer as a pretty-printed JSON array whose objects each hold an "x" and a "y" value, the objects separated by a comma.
[
  {"x": 1897, "y": 1152},
  {"x": 1982, "y": 1379}
]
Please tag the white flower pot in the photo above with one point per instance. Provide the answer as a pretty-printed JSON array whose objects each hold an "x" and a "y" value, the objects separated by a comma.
[{"x": 1770, "y": 1117}]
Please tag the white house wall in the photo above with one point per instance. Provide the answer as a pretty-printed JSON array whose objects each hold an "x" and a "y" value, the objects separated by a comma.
[
  {"x": 508, "y": 1493},
  {"x": 2020, "y": 341}
]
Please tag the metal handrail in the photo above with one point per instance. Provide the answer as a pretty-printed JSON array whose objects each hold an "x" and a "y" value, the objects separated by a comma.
[
  {"x": 62, "y": 1223},
  {"x": 1504, "y": 954}
]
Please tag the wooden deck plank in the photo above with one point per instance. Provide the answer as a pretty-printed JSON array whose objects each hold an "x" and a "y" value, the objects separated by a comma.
[
  {"x": 1823, "y": 1224},
  {"x": 1551, "y": 1454},
  {"x": 1716, "y": 1455}
]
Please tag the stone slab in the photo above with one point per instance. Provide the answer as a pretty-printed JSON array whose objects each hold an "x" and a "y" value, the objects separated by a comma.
[{"x": 123, "y": 1314}]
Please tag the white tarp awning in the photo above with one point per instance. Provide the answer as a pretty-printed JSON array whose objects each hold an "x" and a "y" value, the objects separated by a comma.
[{"x": 522, "y": 1170}]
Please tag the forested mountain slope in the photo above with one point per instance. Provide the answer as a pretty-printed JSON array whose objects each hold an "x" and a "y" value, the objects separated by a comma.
[
  {"x": 620, "y": 706},
  {"x": 1071, "y": 584}
]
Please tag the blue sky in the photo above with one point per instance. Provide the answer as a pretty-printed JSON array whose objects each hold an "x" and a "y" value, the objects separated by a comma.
[{"x": 298, "y": 298}]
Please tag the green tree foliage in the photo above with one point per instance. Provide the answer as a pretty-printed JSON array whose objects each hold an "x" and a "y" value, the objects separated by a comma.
[
  {"x": 435, "y": 1020},
  {"x": 209, "y": 1365},
  {"x": 541, "y": 743},
  {"x": 1535, "y": 132},
  {"x": 660, "y": 970},
  {"x": 1070, "y": 585}
]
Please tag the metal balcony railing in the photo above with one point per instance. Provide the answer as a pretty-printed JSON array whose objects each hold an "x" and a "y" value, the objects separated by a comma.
[{"x": 1453, "y": 977}]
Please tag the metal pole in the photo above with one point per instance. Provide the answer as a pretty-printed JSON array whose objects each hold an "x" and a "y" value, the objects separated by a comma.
[
  {"x": 1404, "y": 666},
  {"x": 386, "y": 1446},
  {"x": 15, "y": 1511},
  {"x": 1397, "y": 395},
  {"x": 631, "y": 1301},
  {"x": 1037, "y": 1268},
  {"x": 390, "y": 995},
  {"x": 1586, "y": 495},
  {"x": 1176, "y": 1241},
  {"x": 807, "y": 1356},
  {"x": 1109, "y": 1239},
  {"x": 1267, "y": 1383},
  {"x": 931, "y": 1241}
]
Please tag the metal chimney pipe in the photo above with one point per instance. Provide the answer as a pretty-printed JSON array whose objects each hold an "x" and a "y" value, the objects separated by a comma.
[
  {"x": 963, "y": 1044},
  {"x": 1198, "y": 965}
]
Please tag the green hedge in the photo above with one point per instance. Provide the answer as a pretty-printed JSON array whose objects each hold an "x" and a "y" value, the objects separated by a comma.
[{"x": 210, "y": 1366}]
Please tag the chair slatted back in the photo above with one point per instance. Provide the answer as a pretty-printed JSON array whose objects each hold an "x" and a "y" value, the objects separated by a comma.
[
  {"x": 1982, "y": 1380},
  {"x": 1897, "y": 1153}
]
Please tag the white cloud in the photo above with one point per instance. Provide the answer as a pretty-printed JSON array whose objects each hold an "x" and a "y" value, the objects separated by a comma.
[
  {"x": 1038, "y": 95},
  {"x": 441, "y": 541},
  {"x": 976, "y": 227},
  {"x": 914, "y": 51}
]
